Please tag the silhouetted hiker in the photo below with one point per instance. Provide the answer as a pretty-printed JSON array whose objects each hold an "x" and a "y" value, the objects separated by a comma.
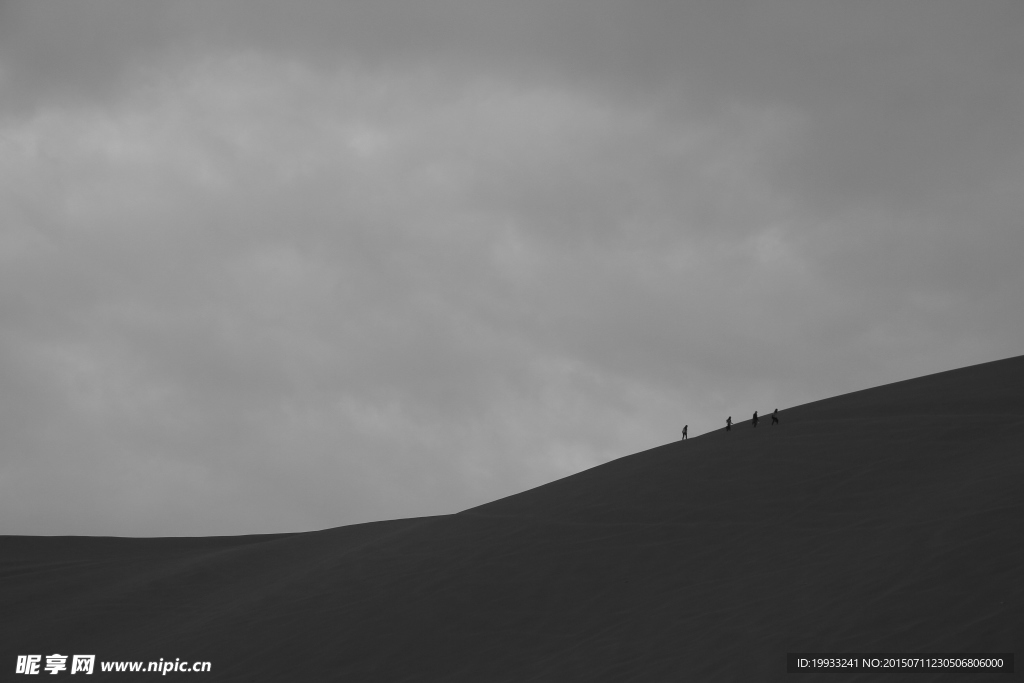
[
  {"x": 755, "y": 418},
  {"x": 684, "y": 431},
  {"x": 775, "y": 417},
  {"x": 728, "y": 423}
]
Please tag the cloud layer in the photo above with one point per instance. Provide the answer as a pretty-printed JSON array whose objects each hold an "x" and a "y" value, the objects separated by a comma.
[{"x": 266, "y": 271}]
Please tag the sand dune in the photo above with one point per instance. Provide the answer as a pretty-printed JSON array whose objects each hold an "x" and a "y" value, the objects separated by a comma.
[{"x": 890, "y": 519}]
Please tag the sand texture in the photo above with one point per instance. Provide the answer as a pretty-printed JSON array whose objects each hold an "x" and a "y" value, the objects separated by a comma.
[{"x": 890, "y": 519}]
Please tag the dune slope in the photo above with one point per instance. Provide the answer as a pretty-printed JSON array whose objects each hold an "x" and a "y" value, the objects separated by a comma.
[{"x": 889, "y": 519}]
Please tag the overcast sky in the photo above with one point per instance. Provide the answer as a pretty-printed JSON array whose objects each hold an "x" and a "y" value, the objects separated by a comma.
[{"x": 279, "y": 266}]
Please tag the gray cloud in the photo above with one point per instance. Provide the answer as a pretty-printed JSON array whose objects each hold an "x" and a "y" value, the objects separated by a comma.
[{"x": 272, "y": 267}]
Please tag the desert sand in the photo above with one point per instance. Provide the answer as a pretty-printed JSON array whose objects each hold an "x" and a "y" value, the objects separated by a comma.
[{"x": 885, "y": 520}]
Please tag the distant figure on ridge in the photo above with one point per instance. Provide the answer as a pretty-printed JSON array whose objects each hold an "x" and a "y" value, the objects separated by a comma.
[
  {"x": 728, "y": 423},
  {"x": 775, "y": 417},
  {"x": 684, "y": 432},
  {"x": 755, "y": 418}
]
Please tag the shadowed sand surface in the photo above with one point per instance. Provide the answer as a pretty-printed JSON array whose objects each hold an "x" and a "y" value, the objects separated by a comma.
[{"x": 890, "y": 519}]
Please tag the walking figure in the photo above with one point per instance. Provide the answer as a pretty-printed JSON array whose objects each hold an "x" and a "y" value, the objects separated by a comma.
[
  {"x": 755, "y": 418},
  {"x": 684, "y": 432},
  {"x": 775, "y": 417},
  {"x": 728, "y": 423}
]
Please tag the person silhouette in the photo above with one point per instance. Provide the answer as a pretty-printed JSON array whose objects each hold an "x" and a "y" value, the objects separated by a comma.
[
  {"x": 755, "y": 418},
  {"x": 775, "y": 417},
  {"x": 684, "y": 432},
  {"x": 728, "y": 423}
]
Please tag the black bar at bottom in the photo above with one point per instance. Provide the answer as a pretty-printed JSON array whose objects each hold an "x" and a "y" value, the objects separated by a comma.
[{"x": 935, "y": 662}]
